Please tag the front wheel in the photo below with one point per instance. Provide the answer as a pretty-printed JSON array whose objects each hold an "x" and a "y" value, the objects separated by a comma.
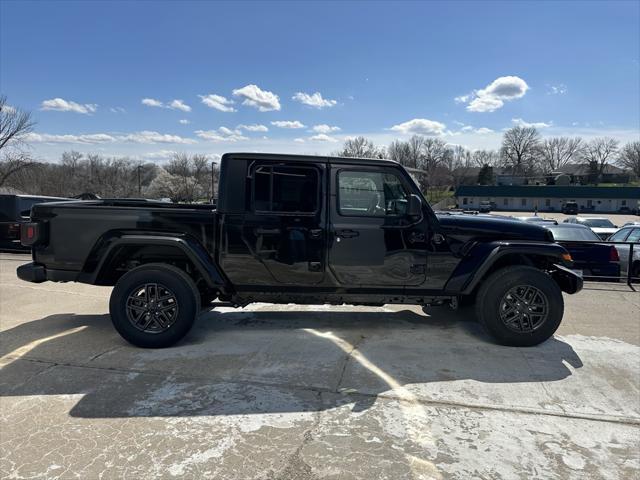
[
  {"x": 154, "y": 305},
  {"x": 520, "y": 306}
]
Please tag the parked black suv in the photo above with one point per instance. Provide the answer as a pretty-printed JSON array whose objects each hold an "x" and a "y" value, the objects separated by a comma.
[
  {"x": 296, "y": 229},
  {"x": 14, "y": 210},
  {"x": 570, "y": 208}
]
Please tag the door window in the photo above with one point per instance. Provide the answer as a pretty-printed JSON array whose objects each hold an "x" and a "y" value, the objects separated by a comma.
[
  {"x": 288, "y": 190},
  {"x": 634, "y": 236},
  {"x": 371, "y": 194},
  {"x": 619, "y": 236}
]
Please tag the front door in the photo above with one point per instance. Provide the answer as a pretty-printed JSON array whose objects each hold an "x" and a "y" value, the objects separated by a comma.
[{"x": 374, "y": 242}]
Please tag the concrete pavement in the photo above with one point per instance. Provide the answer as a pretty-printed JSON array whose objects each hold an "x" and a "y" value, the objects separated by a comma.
[{"x": 315, "y": 392}]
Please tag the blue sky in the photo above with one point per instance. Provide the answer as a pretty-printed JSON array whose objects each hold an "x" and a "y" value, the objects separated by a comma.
[{"x": 147, "y": 78}]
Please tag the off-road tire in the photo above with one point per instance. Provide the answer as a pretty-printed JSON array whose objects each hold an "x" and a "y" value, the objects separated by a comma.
[
  {"x": 175, "y": 285},
  {"x": 494, "y": 292}
]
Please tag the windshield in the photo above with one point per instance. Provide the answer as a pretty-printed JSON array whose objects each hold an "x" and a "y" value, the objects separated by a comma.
[
  {"x": 597, "y": 222},
  {"x": 573, "y": 234}
]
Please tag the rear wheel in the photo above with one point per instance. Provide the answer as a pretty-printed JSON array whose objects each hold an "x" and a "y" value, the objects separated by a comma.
[
  {"x": 520, "y": 306},
  {"x": 154, "y": 306}
]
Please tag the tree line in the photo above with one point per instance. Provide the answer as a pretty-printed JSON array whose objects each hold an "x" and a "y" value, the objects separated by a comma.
[{"x": 189, "y": 178}]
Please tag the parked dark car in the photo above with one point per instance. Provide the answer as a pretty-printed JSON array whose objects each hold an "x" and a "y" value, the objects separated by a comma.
[
  {"x": 485, "y": 207},
  {"x": 14, "y": 210},
  {"x": 298, "y": 229},
  {"x": 570, "y": 208},
  {"x": 590, "y": 258}
]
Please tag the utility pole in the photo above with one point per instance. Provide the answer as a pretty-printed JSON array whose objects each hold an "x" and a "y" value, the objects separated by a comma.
[{"x": 139, "y": 182}]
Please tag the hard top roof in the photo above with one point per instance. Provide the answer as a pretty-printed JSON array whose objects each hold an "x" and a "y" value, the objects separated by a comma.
[{"x": 308, "y": 158}]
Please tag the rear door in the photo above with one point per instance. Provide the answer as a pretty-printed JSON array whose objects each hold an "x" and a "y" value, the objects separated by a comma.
[
  {"x": 285, "y": 227},
  {"x": 373, "y": 240}
]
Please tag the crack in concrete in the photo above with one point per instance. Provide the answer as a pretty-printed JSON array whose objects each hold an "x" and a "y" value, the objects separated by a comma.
[{"x": 346, "y": 361}]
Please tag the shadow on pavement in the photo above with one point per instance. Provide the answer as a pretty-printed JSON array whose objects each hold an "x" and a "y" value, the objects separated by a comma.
[{"x": 257, "y": 362}]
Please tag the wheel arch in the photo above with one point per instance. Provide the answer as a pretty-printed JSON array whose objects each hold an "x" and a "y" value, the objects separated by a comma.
[
  {"x": 117, "y": 254},
  {"x": 486, "y": 259}
]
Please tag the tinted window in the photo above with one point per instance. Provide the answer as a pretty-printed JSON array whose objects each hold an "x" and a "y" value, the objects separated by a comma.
[
  {"x": 285, "y": 189},
  {"x": 372, "y": 194},
  {"x": 573, "y": 234}
]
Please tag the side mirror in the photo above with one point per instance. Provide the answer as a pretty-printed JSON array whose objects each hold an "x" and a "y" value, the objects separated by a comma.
[{"x": 414, "y": 209}]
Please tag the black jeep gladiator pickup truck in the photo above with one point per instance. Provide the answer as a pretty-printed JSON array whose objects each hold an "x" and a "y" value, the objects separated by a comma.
[{"x": 297, "y": 229}]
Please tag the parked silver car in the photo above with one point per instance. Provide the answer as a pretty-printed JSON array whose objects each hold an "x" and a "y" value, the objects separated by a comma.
[
  {"x": 602, "y": 226},
  {"x": 629, "y": 233}
]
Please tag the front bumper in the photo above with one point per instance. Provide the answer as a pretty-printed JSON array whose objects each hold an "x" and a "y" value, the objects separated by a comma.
[{"x": 568, "y": 280}]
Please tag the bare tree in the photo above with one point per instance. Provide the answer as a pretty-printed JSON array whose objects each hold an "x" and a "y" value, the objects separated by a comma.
[
  {"x": 520, "y": 148},
  {"x": 630, "y": 157},
  {"x": 15, "y": 125},
  {"x": 557, "y": 152},
  {"x": 599, "y": 152},
  {"x": 399, "y": 151},
  {"x": 481, "y": 158},
  {"x": 361, "y": 147}
]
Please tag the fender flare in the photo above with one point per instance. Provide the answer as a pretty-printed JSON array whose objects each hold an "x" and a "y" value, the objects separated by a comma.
[
  {"x": 482, "y": 257},
  {"x": 191, "y": 247}
]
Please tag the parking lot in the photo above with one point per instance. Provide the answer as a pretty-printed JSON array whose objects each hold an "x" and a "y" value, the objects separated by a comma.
[{"x": 306, "y": 392}]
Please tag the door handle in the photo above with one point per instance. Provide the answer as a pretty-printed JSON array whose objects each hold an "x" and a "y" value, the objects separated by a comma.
[
  {"x": 347, "y": 233},
  {"x": 266, "y": 231},
  {"x": 315, "y": 233}
]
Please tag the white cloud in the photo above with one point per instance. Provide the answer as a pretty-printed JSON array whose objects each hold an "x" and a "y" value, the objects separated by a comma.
[
  {"x": 9, "y": 109},
  {"x": 559, "y": 89},
  {"x": 184, "y": 121},
  {"x": 493, "y": 96},
  {"x": 324, "y": 128},
  {"x": 175, "y": 104},
  {"x": 321, "y": 137},
  {"x": 218, "y": 102},
  {"x": 148, "y": 136},
  {"x": 521, "y": 123},
  {"x": 253, "y": 96},
  {"x": 470, "y": 129},
  {"x": 420, "y": 126},
  {"x": 298, "y": 140},
  {"x": 253, "y": 128},
  {"x": 159, "y": 155},
  {"x": 287, "y": 124},
  {"x": 62, "y": 105},
  {"x": 178, "y": 104},
  {"x": 222, "y": 134},
  {"x": 117, "y": 110},
  {"x": 88, "y": 139},
  {"x": 313, "y": 100},
  {"x": 152, "y": 102}
]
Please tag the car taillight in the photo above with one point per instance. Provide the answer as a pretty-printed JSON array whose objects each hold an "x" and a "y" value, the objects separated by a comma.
[
  {"x": 14, "y": 230},
  {"x": 30, "y": 233},
  {"x": 613, "y": 254}
]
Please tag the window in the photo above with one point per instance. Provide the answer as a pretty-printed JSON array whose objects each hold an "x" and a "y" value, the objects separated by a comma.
[
  {"x": 634, "y": 236},
  {"x": 623, "y": 203},
  {"x": 620, "y": 235},
  {"x": 505, "y": 202},
  {"x": 371, "y": 194},
  {"x": 465, "y": 201},
  {"x": 285, "y": 189},
  {"x": 547, "y": 202},
  {"x": 524, "y": 202}
]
